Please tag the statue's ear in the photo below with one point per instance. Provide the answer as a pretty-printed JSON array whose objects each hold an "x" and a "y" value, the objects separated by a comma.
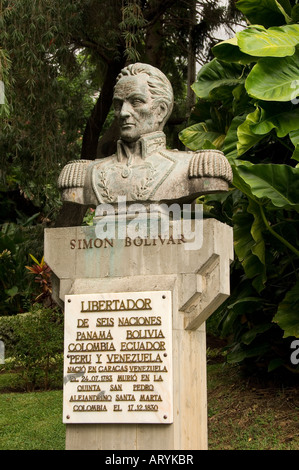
[{"x": 162, "y": 111}]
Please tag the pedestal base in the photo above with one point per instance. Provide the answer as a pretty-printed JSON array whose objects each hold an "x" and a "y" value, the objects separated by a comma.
[{"x": 198, "y": 281}]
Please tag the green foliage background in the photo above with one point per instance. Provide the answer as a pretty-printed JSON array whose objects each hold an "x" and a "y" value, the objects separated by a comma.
[
  {"x": 34, "y": 345},
  {"x": 247, "y": 107},
  {"x": 56, "y": 58},
  {"x": 53, "y": 59}
]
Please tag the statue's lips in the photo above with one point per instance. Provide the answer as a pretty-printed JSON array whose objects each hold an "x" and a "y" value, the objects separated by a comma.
[{"x": 127, "y": 125}]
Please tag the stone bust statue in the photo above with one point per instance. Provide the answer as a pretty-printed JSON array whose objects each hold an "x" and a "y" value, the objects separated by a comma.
[{"x": 143, "y": 169}]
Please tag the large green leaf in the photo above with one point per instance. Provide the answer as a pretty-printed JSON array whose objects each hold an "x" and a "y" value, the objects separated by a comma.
[
  {"x": 257, "y": 229},
  {"x": 286, "y": 10},
  {"x": 199, "y": 136},
  {"x": 223, "y": 93},
  {"x": 229, "y": 51},
  {"x": 274, "y": 79},
  {"x": 217, "y": 74},
  {"x": 265, "y": 12},
  {"x": 295, "y": 13},
  {"x": 241, "y": 101},
  {"x": 231, "y": 140},
  {"x": 246, "y": 137},
  {"x": 240, "y": 352},
  {"x": 201, "y": 111},
  {"x": 244, "y": 245},
  {"x": 275, "y": 42},
  {"x": 283, "y": 117},
  {"x": 278, "y": 183},
  {"x": 294, "y": 136},
  {"x": 287, "y": 316},
  {"x": 237, "y": 308},
  {"x": 250, "y": 335},
  {"x": 239, "y": 182}
]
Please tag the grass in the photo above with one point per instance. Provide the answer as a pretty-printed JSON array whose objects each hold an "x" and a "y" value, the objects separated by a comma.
[
  {"x": 250, "y": 413},
  {"x": 244, "y": 413},
  {"x": 31, "y": 421}
]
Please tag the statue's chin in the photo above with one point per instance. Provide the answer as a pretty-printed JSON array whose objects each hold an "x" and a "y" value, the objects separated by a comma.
[{"x": 129, "y": 139}]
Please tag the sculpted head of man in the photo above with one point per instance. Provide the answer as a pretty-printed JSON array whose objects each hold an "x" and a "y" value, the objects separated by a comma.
[{"x": 143, "y": 101}]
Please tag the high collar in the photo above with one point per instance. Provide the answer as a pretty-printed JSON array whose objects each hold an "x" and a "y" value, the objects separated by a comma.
[{"x": 149, "y": 143}]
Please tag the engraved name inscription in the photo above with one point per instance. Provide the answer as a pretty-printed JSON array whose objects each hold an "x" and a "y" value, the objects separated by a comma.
[{"x": 90, "y": 243}]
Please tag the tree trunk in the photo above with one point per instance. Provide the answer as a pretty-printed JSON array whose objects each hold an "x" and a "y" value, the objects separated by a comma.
[
  {"x": 108, "y": 142},
  {"x": 153, "y": 43},
  {"x": 191, "y": 59},
  {"x": 100, "y": 111},
  {"x": 71, "y": 215}
]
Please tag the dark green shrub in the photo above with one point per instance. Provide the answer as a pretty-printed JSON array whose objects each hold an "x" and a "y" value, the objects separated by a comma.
[
  {"x": 17, "y": 286},
  {"x": 34, "y": 346},
  {"x": 243, "y": 111}
]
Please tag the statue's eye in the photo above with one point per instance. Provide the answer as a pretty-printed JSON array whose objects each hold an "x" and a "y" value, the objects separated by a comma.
[
  {"x": 117, "y": 105},
  {"x": 137, "y": 102}
]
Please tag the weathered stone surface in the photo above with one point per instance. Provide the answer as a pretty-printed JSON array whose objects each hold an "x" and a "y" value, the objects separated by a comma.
[
  {"x": 143, "y": 169},
  {"x": 198, "y": 281}
]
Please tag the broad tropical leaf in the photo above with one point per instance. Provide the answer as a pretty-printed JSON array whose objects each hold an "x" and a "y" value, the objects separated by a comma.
[
  {"x": 246, "y": 137},
  {"x": 295, "y": 13},
  {"x": 294, "y": 136},
  {"x": 245, "y": 245},
  {"x": 242, "y": 352},
  {"x": 199, "y": 136},
  {"x": 282, "y": 117},
  {"x": 278, "y": 183},
  {"x": 241, "y": 101},
  {"x": 276, "y": 42},
  {"x": 265, "y": 12},
  {"x": 250, "y": 335},
  {"x": 239, "y": 182},
  {"x": 244, "y": 302},
  {"x": 287, "y": 316},
  {"x": 229, "y": 51},
  {"x": 274, "y": 78},
  {"x": 287, "y": 8},
  {"x": 257, "y": 229},
  {"x": 216, "y": 74},
  {"x": 231, "y": 140}
]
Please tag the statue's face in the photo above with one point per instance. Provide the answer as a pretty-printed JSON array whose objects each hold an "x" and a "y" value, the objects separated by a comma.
[{"x": 135, "y": 108}]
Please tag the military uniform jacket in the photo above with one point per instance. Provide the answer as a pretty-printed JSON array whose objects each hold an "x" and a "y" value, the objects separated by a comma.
[{"x": 159, "y": 175}]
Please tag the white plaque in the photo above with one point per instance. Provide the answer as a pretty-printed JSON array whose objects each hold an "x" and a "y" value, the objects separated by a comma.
[{"x": 118, "y": 358}]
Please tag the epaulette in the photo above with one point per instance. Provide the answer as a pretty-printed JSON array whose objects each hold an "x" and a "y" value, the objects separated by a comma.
[
  {"x": 73, "y": 174},
  {"x": 210, "y": 164}
]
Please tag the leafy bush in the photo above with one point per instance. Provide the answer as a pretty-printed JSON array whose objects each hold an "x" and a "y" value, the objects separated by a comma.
[
  {"x": 17, "y": 288},
  {"x": 248, "y": 108},
  {"x": 34, "y": 346},
  {"x": 42, "y": 273}
]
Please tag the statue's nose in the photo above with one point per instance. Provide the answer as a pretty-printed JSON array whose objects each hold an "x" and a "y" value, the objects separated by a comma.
[{"x": 125, "y": 110}]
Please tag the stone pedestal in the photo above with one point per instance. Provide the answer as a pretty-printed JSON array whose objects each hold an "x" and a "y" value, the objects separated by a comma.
[{"x": 197, "y": 282}]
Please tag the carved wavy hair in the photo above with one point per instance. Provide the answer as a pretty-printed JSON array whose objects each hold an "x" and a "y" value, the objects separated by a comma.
[{"x": 159, "y": 85}]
